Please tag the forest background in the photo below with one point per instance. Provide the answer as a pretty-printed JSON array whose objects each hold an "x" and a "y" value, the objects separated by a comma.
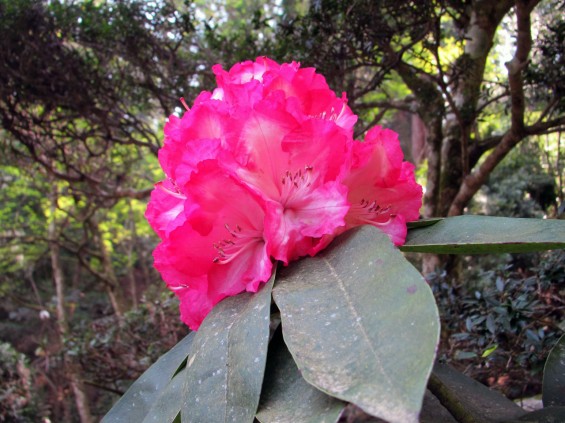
[{"x": 474, "y": 88}]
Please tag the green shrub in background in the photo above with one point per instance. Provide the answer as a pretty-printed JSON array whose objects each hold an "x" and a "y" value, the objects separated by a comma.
[{"x": 503, "y": 321}]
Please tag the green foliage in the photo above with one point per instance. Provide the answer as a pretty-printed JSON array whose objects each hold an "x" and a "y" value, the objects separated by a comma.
[
  {"x": 22, "y": 221},
  {"x": 122, "y": 37},
  {"x": 360, "y": 325},
  {"x": 236, "y": 31},
  {"x": 548, "y": 64},
  {"x": 114, "y": 352},
  {"x": 485, "y": 234},
  {"x": 520, "y": 186},
  {"x": 337, "y": 39},
  {"x": 122, "y": 227},
  {"x": 358, "y": 293},
  {"x": 224, "y": 375},
  {"x": 331, "y": 328},
  {"x": 93, "y": 126},
  {"x": 504, "y": 321}
]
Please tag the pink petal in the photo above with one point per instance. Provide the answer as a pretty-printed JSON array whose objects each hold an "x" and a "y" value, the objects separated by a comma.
[
  {"x": 193, "y": 138},
  {"x": 294, "y": 228},
  {"x": 194, "y": 307},
  {"x": 380, "y": 155},
  {"x": 395, "y": 228},
  {"x": 165, "y": 208},
  {"x": 382, "y": 188},
  {"x": 259, "y": 150}
]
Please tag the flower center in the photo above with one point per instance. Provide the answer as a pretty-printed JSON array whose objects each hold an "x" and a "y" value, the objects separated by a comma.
[
  {"x": 368, "y": 211},
  {"x": 296, "y": 185},
  {"x": 238, "y": 242},
  {"x": 175, "y": 191},
  {"x": 332, "y": 115}
]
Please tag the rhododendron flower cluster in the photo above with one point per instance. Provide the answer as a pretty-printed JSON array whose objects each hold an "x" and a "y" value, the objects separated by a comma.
[{"x": 265, "y": 168}]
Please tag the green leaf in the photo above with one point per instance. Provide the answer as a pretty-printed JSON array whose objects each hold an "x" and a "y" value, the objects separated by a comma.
[
  {"x": 287, "y": 398},
  {"x": 423, "y": 222},
  {"x": 489, "y": 351},
  {"x": 134, "y": 405},
  {"x": 485, "y": 234},
  {"x": 362, "y": 324},
  {"x": 227, "y": 363},
  {"x": 553, "y": 391},
  {"x": 167, "y": 407},
  {"x": 464, "y": 355}
]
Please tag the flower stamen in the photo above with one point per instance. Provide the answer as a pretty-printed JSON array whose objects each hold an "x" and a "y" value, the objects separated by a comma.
[
  {"x": 175, "y": 191},
  {"x": 228, "y": 249},
  {"x": 368, "y": 211},
  {"x": 184, "y": 104},
  {"x": 298, "y": 182}
]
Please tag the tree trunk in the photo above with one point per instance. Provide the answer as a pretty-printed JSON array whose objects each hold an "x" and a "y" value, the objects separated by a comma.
[
  {"x": 472, "y": 183},
  {"x": 448, "y": 136},
  {"x": 130, "y": 248},
  {"x": 71, "y": 365},
  {"x": 108, "y": 275},
  {"x": 433, "y": 177},
  {"x": 484, "y": 19}
]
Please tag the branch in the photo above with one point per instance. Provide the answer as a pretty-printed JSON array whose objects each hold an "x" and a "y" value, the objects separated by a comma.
[
  {"x": 373, "y": 122},
  {"x": 481, "y": 107},
  {"x": 101, "y": 277},
  {"x": 128, "y": 193},
  {"x": 519, "y": 63},
  {"x": 404, "y": 105},
  {"x": 482, "y": 146},
  {"x": 104, "y": 388},
  {"x": 549, "y": 108},
  {"x": 547, "y": 127}
]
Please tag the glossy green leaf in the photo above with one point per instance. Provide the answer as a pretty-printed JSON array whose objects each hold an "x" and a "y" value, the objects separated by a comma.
[
  {"x": 225, "y": 370},
  {"x": 166, "y": 408},
  {"x": 423, "y": 222},
  {"x": 554, "y": 376},
  {"x": 486, "y": 234},
  {"x": 134, "y": 405},
  {"x": 361, "y": 324},
  {"x": 287, "y": 398}
]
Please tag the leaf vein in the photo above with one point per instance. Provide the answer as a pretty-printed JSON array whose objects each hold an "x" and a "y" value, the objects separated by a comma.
[{"x": 358, "y": 321}]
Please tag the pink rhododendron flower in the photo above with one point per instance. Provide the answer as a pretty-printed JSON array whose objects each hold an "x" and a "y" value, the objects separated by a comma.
[
  {"x": 253, "y": 81},
  {"x": 265, "y": 168},
  {"x": 297, "y": 167},
  {"x": 219, "y": 249},
  {"x": 382, "y": 188}
]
